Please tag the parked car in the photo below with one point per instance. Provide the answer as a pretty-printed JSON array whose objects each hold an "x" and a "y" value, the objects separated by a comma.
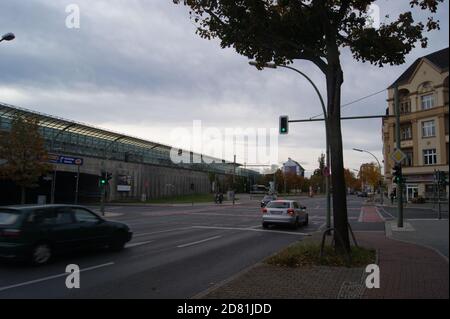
[
  {"x": 267, "y": 199},
  {"x": 284, "y": 212},
  {"x": 363, "y": 194},
  {"x": 37, "y": 233}
]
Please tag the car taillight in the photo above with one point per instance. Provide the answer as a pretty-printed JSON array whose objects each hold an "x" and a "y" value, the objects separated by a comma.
[
  {"x": 290, "y": 211},
  {"x": 264, "y": 210},
  {"x": 10, "y": 233}
]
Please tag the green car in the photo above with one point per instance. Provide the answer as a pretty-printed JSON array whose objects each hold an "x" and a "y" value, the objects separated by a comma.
[{"x": 37, "y": 233}]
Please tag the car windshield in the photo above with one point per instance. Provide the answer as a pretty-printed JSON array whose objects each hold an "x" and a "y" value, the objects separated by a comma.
[
  {"x": 279, "y": 205},
  {"x": 269, "y": 197},
  {"x": 8, "y": 217}
]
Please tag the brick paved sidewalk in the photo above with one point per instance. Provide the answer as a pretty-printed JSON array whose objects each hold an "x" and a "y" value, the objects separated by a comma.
[{"x": 406, "y": 271}]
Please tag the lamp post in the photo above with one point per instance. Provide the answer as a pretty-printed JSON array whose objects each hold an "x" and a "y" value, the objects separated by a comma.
[
  {"x": 325, "y": 115},
  {"x": 379, "y": 167},
  {"x": 7, "y": 37}
]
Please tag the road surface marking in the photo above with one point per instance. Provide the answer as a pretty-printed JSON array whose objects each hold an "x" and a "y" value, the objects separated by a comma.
[
  {"x": 379, "y": 214},
  {"x": 361, "y": 214},
  {"x": 160, "y": 232},
  {"x": 198, "y": 242},
  {"x": 53, "y": 277},
  {"x": 138, "y": 244},
  {"x": 253, "y": 229},
  {"x": 386, "y": 212}
]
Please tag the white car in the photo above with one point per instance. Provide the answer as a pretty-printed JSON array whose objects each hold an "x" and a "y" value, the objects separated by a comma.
[{"x": 284, "y": 212}]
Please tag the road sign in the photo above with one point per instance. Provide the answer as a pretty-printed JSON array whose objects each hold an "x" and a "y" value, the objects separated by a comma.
[
  {"x": 66, "y": 160},
  {"x": 398, "y": 156}
]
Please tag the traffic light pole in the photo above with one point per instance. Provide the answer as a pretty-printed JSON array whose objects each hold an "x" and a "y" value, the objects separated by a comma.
[
  {"x": 327, "y": 135},
  {"x": 398, "y": 146}
]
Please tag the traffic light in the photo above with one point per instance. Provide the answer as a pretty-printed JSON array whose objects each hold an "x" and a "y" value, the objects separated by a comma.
[
  {"x": 105, "y": 178},
  {"x": 442, "y": 178},
  {"x": 284, "y": 124},
  {"x": 398, "y": 178}
]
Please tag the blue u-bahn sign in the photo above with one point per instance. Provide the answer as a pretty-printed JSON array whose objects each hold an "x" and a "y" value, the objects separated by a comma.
[{"x": 66, "y": 160}]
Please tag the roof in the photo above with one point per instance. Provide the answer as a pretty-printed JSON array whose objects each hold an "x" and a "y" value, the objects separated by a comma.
[
  {"x": 295, "y": 162},
  {"x": 69, "y": 126},
  {"x": 439, "y": 59}
]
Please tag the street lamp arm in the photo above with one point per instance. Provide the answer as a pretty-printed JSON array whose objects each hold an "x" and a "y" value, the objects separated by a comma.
[
  {"x": 379, "y": 164},
  {"x": 312, "y": 83}
]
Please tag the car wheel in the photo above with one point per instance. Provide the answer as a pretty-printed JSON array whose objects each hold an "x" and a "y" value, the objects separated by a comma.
[
  {"x": 265, "y": 225},
  {"x": 117, "y": 242},
  {"x": 306, "y": 222},
  {"x": 41, "y": 254}
]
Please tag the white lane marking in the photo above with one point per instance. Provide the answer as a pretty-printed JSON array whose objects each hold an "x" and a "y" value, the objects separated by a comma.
[
  {"x": 53, "y": 277},
  {"x": 138, "y": 244},
  {"x": 379, "y": 214},
  {"x": 360, "y": 219},
  {"x": 198, "y": 242},
  {"x": 386, "y": 212},
  {"x": 161, "y": 231},
  {"x": 253, "y": 229}
]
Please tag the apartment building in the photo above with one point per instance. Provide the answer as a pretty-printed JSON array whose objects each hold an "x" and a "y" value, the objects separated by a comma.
[{"x": 424, "y": 108}]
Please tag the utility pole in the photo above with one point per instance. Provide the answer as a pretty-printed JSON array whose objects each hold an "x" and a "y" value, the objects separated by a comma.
[
  {"x": 234, "y": 179},
  {"x": 398, "y": 146},
  {"x": 327, "y": 133},
  {"x": 77, "y": 184}
]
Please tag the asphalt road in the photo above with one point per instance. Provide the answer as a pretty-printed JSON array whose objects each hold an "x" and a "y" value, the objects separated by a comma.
[{"x": 176, "y": 252}]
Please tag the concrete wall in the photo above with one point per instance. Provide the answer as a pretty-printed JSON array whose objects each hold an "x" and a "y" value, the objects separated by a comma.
[{"x": 148, "y": 180}]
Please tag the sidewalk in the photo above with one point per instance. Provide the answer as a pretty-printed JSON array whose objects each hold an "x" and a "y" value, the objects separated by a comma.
[
  {"x": 433, "y": 234},
  {"x": 406, "y": 271},
  {"x": 428, "y": 205}
]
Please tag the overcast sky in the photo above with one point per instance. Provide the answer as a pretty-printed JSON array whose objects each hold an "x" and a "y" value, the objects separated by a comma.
[{"x": 138, "y": 67}]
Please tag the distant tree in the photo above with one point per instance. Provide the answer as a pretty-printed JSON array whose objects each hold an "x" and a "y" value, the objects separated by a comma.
[
  {"x": 23, "y": 149},
  {"x": 282, "y": 31},
  {"x": 351, "y": 180},
  {"x": 370, "y": 174}
]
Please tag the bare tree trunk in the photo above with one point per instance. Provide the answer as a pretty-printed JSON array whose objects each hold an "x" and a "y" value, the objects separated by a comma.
[
  {"x": 334, "y": 82},
  {"x": 22, "y": 195}
]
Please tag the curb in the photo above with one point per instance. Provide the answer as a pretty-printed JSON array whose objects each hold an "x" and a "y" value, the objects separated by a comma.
[{"x": 417, "y": 244}]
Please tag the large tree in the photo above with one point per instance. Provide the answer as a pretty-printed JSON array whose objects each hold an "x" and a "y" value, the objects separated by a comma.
[
  {"x": 282, "y": 31},
  {"x": 24, "y": 153}
]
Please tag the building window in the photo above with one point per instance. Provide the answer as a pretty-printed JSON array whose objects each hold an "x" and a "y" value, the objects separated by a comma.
[
  {"x": 405, "y": 107},
  {"x": 406, "y": 133},
  {"x": 428, "y": 129},
  {"x": 429, "y": 157},
  {"x": 427, "y": 101},
  {"x": 408, "y": 161}
]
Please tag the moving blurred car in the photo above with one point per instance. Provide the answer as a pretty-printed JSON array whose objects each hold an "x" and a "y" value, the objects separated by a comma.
[
  {"x": 284, "y": 212},
  {"x": 267, "y": 199},
  {"x": 37, "y": 233},
  {"x": 362, "y": 194}
]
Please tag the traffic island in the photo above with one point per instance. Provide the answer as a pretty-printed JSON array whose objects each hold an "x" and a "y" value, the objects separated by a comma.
[
  {"x": 406, "y": 271},
  {"x": 298, "y": 272}
]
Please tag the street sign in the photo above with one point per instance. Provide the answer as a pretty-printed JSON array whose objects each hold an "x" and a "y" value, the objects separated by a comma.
[
  {"x": 66, "y": 160},
  {"x": 398, "y": 156}
]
